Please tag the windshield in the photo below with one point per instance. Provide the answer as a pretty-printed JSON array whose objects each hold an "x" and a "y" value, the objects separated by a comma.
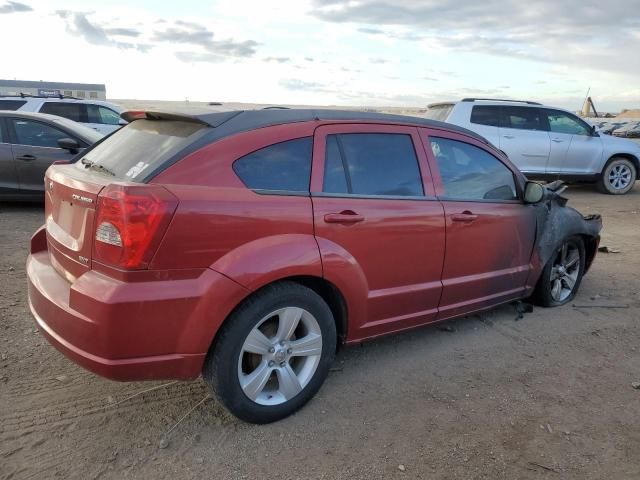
[
  {"x": 140, "y": 147},
  {"x": 87, "y": 133}
]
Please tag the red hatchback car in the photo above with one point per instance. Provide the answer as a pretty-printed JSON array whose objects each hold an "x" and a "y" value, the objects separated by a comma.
[{"x": 245, "y": 246}]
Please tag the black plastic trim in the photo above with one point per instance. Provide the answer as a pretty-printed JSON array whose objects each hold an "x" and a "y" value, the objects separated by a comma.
[
  {"x": 372, "y": 197},
  {"x": 284, "y": 193},
  {"x": 500, "y": 100}
]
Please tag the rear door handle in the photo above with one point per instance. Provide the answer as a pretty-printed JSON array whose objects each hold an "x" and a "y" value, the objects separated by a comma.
[
  {"x": 509, "y": 136},
  {"x": 346, "y": 216},
  {"x": 465, "y": 217},
  {"x": 27, "y": 157},
  {"x": 557, "y": 140}
]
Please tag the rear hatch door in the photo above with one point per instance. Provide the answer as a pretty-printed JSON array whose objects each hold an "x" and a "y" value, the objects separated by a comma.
[{"x": 70, "y": 206}]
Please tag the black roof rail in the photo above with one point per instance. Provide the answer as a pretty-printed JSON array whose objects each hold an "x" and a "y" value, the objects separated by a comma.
[
  {"x": 30, "y": 95},
  {"x": 500, "y": 100},
  {"x": 276, "y": 107}
]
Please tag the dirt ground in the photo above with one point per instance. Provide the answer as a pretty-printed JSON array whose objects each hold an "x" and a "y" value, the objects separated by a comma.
[{"x": 487, "y": 397}]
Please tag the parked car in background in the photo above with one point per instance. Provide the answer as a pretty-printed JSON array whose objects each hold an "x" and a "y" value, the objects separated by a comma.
[
  {"x": 246, "y": 245},
  {"x": 547, "y": 142},
  {"x": 609, "y": 127},
  {"x": 103, "y": 117},
  {"x": 628, "y": 130},
  {"x": 29, "y": 144}
]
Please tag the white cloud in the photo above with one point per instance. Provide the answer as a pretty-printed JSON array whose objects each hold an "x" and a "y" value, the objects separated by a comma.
[{"x": 369, "y": 52}]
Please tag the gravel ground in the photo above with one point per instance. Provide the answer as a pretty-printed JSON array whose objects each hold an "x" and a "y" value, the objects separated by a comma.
[{"x": 484, "y": 397}]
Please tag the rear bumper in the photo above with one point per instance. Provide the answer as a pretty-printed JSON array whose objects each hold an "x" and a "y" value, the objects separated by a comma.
[{"x": 130, "y": 330}]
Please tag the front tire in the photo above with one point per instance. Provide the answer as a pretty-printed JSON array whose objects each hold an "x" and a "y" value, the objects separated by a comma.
[
  {"x": 618, "y": 176},
  {"x": 273, "y": 353},
  {"x": 562, "y": 275}
]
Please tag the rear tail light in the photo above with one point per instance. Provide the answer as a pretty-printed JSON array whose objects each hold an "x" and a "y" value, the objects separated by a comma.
[{"x": 130, "y": 223}]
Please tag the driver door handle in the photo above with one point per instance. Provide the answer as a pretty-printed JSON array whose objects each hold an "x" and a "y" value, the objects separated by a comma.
[
  {"x": 26, "y": 157},
  {"x": 509, "y": 136},
  {"x": 557, "y": 140}
]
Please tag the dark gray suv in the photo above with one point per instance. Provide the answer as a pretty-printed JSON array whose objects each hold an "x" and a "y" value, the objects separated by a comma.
[{"x": 29, "y": 143}]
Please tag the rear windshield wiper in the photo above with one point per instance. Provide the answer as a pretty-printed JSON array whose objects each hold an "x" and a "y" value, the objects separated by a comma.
[{"x": 91, "y": 165}]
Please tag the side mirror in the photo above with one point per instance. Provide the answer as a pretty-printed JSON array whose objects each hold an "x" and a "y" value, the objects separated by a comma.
[
  {"x": 533, "y": 192},
  {"x": 69, "y": 144},
  {"x": 594, "y": 131}
]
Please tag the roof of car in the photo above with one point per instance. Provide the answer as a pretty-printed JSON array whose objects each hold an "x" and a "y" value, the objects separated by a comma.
[
  {"x": 231, "y": 122},
  {"x": 33, "y": 115},
  {"x": 77, "y": 128}
]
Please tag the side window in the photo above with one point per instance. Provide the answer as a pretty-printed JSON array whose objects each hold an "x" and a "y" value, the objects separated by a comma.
[
  {"x": 372, "y": 164},
  {"x": 37, "y": 134},
  {"x": 486, "y": 115},
  {"x": 470, "y": 173},
  {"x": 11, "y": 104},
  {"x": 72, "y": 111},
  {"x": 104, "y": 115},
  {"x": 561, "y": 122},
  {"x": 522, "y": 118},
  {"x": 283, "y": 166}
]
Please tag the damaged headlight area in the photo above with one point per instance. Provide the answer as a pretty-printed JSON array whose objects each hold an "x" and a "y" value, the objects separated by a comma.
[{"x": 556, "y": 222}]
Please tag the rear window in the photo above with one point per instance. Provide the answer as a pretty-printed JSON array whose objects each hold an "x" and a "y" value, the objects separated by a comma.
[
  {"x": 11, "y": 104},
  {"x": 439, "y": 112},
  {"x": 485, "y": 115},
  {"x": 283, "y": 166},
  {"x": 134, "y": 151}
]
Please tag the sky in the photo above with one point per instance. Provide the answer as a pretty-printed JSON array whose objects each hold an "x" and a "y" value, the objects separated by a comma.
[{"x": 329, "y": 52}]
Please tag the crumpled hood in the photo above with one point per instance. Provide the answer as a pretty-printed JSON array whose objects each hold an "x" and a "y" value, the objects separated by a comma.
[{"x": 556, "y": 222}]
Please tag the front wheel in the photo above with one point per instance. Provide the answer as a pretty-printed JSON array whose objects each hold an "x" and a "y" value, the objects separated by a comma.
[
  {"x": 618, "y": 177},
  {"x": 561, "y": 277},
  {"x": 273, "y": 353}
]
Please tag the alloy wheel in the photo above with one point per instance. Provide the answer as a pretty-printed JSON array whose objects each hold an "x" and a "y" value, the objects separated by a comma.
[
  {"x": 280, "y": 356},
  {"x": 619, "y": 176},
  {"x": 565, "y": 271}
]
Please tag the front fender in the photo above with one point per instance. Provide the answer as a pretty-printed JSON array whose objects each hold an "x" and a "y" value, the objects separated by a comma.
[{"x": 555, "y": 223}]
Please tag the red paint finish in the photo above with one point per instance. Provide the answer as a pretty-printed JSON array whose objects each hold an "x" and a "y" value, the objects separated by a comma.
[
  {"x": 396, "y": 246},
  {"x": 487, "y": 259},
  {"x": 397, "y": 263},
  {"x": 489, "y": 244}
]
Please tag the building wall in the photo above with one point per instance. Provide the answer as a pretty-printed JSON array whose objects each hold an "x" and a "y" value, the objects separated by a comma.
[{"x": 84, "y": 93}]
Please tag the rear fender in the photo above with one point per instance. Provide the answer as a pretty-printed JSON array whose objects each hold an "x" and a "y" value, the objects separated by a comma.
[
  {"x": 268, "y": 259},
  {"x": 342, "y": 269}
]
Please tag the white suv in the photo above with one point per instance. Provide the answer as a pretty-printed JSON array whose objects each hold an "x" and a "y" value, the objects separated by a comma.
[
  {"x": 547, "y": 142},
  {"x": 101, "y": 116}
]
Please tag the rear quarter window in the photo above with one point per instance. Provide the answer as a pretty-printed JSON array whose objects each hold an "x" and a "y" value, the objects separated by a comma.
[
  {"x": 485, "y": 115},
  {"x": 283, "y": 166},
  {"x": 141, "y": 147}
]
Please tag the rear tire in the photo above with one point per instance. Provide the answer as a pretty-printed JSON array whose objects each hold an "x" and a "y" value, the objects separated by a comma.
[
  {"x": 562, "y": 275},
  {"x": 618, "y": 176},
  {"x": 273, "y": 353}
]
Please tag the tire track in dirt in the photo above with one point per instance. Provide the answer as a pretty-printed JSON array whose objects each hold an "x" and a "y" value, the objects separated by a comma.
[{"x": 64, "y": 409}]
